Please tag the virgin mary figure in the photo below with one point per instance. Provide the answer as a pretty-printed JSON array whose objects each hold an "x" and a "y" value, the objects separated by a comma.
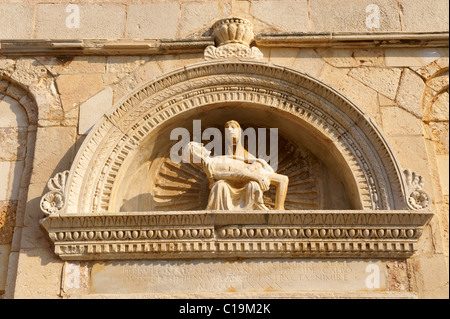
[{"x": 237, "y": 179}]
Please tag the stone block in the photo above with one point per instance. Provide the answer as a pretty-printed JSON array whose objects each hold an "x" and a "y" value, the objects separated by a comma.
[
  {"x": 439, "y": 134},
  {"x": 364, "y": 97},
  {"x": 347, "y": 58},
  {"x": 410, "y": 91},
  {"x": 309, "y": 62},
  {"x": 156, "y": 20},
  {"x": 15, "y": 179},
  {"x": 439, "y": 110},
  {"x": 13, "y": 27},
  {"x": 45, "y": 279},
  {"x": 412, "y": 153},
  {"x": 240, "y": 8},
  {"x": 430, "y": 15},
  {"x": 285, "y": 16},
  {"x": 443, "y": 169},
  {"x": 4, "y": 179},
  {"x": 413, "y": 57},
  {"x": 397, "y": 121},
  {"x": 344, "y": 15},
  {"x": 73, "y": 65},
  {"x": 98, "y": 21},
  {"x": 382, "y": 80},
  {"x": 8, "y": 210},
  {"x": 93, "y": 110},
  {"x": 199, "y": 16},
  {"x": 33, "y": 236},
  {"x": 4, "y": 258},
  {"x": 54, "y": 152},
  {"x": 77, "y": 88},
  {"x": 13, "y": 114},
  {"x": 283, "y": 56},
  {"x": 261, "y": 275},
  {"x": 431, "y": 276},
  {"x": 13, "y": 143}
]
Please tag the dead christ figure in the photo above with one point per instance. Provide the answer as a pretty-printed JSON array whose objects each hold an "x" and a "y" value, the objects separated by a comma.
[{"x": 238, "y": 179}]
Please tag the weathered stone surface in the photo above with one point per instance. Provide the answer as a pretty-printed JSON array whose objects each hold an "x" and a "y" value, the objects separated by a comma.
[
  {"x": 433, "y": 278},
  {"x": 413, "y": 57},
  {"x": 283, "y": 56},
  {"x": 198, "y": 16},
  {"x": 74, "y": 65},
  {"x": 4, "y": 258},
  {"x": 364, "y": 97},
  {"x": 382, "y": 80},
  {"x": 11, "y": 27},
  {"x": 93, "y": 109},
  {"x": 439, "y": 134},
  {"x": 53, "y": 153},
  {"x": 33, "y": 236},
  {"x": 286, "y": 16},
  {"x": 41, "y": 282},
  {"x": 15, "y": 179},
  {"x": 443, "y": 168},
  {"x": 259, "y": 275},
  {"x": 7, "y": 220},
  {"x": 156, "y": 20},
  {"x": 411, "y": 152},
  {"x": 439, "y": 110},
  {"x": 344, "y": 15},
  {"x": 13, "y": 114},
  {"x": 397, "y": 121},
  {"x": 100, "y": 21},
  {"x": 4, "y": 180},
  {"x": 420, "y": 15},
  {"x": 344, "y": 58},
  {"x": 13, "y": 143},
  {"x": 77, "y": 88},
  {"x": 409, "y": 95},
  {"x": 309, "y": 62}
]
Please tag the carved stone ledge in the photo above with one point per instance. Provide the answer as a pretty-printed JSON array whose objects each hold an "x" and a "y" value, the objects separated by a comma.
[{"x": 234, "y": 234}]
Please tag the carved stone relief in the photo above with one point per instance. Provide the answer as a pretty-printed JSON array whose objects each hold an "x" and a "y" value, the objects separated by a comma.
[
  {"x": 233, "y": 37},
  {"x": 125, "y": 199}
]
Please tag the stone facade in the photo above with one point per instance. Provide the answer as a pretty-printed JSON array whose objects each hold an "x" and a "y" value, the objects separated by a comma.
[{"x": 372, "y": 98}]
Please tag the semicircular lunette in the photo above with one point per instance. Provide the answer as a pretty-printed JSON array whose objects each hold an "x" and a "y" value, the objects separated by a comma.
[{"x": 184, "y": 186}]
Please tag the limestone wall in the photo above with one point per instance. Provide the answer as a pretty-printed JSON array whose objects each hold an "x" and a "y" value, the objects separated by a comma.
[
  {"x": 49, "y": 103},
  {"x": 179, "y": 19}
]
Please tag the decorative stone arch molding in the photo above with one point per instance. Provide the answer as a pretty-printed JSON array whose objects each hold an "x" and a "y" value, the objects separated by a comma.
[
  {"x": 83, "y": 223},
  {"x": 376, "y": 175}
]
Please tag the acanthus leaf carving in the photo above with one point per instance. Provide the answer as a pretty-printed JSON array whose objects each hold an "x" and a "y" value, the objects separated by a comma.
[
  {"x": 54, "y": 201},
  {"x": 416, "y": 198}
]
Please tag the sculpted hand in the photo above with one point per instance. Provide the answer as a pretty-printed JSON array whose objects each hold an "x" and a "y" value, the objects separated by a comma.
[{"x": 264, "y": 183}]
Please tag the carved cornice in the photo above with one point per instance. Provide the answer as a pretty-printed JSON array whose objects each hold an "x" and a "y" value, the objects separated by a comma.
[
  {"x": 78, "y": 47},
  {"x": 354, "y": 40},
  {"x": 222, "y": 234}
]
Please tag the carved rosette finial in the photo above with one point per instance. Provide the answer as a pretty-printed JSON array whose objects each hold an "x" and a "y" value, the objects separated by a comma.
[
  {"x": 233, "y": 37},
  {"x": 416, "y": 198},
  {"x": 54, "y": 201}
]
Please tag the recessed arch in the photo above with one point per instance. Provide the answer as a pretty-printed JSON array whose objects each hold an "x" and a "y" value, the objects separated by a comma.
[{"x": 335, "y": 125}]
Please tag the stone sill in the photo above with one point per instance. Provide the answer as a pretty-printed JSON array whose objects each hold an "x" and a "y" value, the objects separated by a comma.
[
  {"x": 236, "y": 234},
  {"x": 76, "y": 47},
  {"x": 257, "y": 295}
]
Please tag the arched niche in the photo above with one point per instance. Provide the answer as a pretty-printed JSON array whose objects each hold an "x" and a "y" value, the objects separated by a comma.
[
  {"x": 91, "y": 213},
  {"x": 153, "y": 182},
  {"x": 335, "y": 130}
]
